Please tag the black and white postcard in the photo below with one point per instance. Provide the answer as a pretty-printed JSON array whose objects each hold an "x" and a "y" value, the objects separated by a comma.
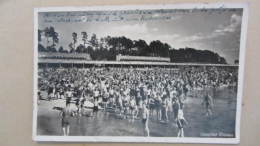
[{"x": 143, "y": 73}]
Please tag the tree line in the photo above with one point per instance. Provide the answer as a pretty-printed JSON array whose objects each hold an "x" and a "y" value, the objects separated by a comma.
[{"x": 107, "y": 48}]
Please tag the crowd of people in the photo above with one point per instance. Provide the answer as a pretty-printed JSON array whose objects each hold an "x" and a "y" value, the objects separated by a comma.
[{"x": 135, "y": 93}]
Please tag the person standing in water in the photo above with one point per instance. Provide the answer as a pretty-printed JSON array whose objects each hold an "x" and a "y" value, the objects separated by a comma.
[
  {"x": 181, "y": 121},
  {"x": 65, "y": 115},
  {"x": 208, "y": 102},
  {"x": 145, "y": 119},
  {"x": 175, "y": 108}
]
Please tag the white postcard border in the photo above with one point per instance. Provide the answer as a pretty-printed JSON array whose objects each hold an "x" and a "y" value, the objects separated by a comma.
[{"x": 235, "y": 140}]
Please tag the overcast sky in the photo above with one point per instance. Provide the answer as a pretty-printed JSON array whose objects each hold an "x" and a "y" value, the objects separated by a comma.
[{"x": 218, "y": 31}]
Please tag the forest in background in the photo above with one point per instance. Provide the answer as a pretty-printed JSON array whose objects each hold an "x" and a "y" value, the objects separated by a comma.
[{"x": 107, "y": 48}]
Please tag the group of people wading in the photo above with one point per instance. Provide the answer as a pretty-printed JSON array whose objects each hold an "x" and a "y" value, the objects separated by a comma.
[{"x": 133, "y": 93}]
